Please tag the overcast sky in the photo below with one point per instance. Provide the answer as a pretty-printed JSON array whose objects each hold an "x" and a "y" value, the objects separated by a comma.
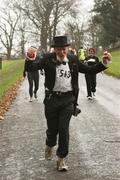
[
  {"x": 85, "y": 4},
  {"x": 85, "y": 7}
]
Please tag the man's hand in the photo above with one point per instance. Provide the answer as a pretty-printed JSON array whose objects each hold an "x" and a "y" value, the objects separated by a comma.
[
  {"x": 107, "y": 58},
  {"x": 76, "y": 111},
  {"x": 24, "y": 74}
]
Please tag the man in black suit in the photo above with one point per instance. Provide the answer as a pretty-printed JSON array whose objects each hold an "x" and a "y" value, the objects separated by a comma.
[
  {"x": 61, "y": 92},
  {"x": 91, "y": 60}
]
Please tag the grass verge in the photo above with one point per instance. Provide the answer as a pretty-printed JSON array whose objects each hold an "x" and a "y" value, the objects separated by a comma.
[
  {"x": 10, "y": 80},
  {"x": 11, "y": 72}
]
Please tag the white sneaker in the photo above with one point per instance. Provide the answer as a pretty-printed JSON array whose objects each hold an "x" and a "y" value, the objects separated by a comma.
[
  {"x": 89, "y": 97},
  {"x": 61, "y": 165},
  {"x": 30, "y": 99},
  {"x": 48, "y": 153}
]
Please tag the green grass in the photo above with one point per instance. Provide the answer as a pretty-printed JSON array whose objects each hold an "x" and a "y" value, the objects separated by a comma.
[{"x": 10, "y": 73}]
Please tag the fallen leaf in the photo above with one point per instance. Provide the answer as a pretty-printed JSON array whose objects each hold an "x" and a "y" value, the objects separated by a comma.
[
  {"x": 8, "y": 98},
  {"x": 1, "y": 118}
]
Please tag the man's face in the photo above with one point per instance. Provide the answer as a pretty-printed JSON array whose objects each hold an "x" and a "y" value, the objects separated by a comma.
[
  {"x": 91, "y": 53},
  {"x": 61, "y": 52}
]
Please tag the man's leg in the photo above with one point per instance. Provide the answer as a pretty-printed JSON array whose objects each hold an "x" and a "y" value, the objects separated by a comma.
[
  {"x": 36, "y": 83},
  {"x": 63, "y": 142},
  {"x": 63, "y": 130},
  {"x": 30, "y": 80},
  {"x": 93, "y": 83},
  {"x": 88, "y": 84},
  {"x": 52, "y": 126}
]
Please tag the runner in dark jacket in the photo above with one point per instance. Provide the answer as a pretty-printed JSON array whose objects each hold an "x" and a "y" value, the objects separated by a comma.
[
  {"x": 91, "y": 60},
  {"x": 32, "y": 72}
]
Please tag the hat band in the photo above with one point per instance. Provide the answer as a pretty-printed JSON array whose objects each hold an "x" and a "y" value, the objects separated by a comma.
[{"x": 60, "y": 45}]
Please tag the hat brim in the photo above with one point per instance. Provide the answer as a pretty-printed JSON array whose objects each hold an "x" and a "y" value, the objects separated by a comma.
[{"x": 60, "y": 45}]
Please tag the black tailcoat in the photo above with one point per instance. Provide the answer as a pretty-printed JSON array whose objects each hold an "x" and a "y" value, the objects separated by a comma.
[{"x": 49, "y": 63}]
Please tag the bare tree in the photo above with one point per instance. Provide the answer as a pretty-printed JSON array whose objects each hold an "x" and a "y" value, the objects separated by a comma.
[
  {"x": 38, "y": 14},
  {"x": 22, "y": 36},
  {"x": 45, "y": 16},
  {"x": 41, "y": 17},
  {"x": 76, "y": 34},
  {"x": 8, "y": 23}
]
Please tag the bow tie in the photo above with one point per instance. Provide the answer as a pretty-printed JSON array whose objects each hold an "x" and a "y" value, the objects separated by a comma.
[{"x": 60, "y": 62}]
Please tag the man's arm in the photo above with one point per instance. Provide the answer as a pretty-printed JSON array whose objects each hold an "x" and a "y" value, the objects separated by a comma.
[
  {"x": 24, "y": 71},
  {"x": 83, "y": 68},
  {"x": 42, "y": 61},
  {"x": 101, "y": 66}
]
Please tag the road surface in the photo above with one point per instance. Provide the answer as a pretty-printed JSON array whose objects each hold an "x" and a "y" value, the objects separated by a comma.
[{"x": 94, "y": 152}]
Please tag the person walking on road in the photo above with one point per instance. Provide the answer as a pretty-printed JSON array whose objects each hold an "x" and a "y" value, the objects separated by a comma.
[
  {"x": 91, "y": 60},
  {"x": 61, "y": 91},
  {"x": 81, "y": 54},
  {"x": 32, "y": 72}
]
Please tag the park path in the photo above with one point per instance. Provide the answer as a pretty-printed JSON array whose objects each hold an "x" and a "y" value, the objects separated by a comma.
[{"x": 94, "y": 137}]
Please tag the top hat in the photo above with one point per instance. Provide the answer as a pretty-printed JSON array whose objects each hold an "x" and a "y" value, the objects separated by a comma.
[{"x": 60, "y": 41}]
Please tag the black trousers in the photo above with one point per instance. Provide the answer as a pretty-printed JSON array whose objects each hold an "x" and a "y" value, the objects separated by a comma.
[
  {"x": 58, "y": 112},
  {"x": 90, "y": 83},
  {"x": 33, "y": 79}
]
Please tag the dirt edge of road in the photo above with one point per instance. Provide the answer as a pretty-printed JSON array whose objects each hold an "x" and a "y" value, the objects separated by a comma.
[{"x": 8, "y": 98}]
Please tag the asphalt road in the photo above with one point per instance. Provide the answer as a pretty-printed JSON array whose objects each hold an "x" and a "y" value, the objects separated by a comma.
[{"x": 94, "y": 137}]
